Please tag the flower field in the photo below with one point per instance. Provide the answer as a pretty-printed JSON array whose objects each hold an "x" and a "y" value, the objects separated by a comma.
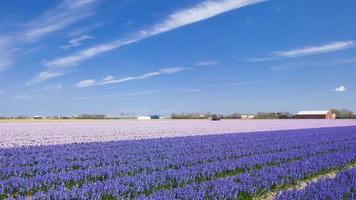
[
  {"x": 15, "y": 134},
  {"x": 216, "y": 166},
  {"x": 343, "y": 186}
]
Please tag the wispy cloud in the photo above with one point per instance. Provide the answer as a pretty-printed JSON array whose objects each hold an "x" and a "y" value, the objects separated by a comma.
[
  {"x": 130, "y": 78},
  {"x": 262, "y": 59},
  {"x": 199, "y": 12},
  {"x": 112, "y": 80},
  {"x": 207, "y": 63},
  {"x": 84, "y": 29},
  {"x": 85, "y": 83},
  {"x": 108, "y": 78},
  {"x": 244, "y": 83},
  {"x": 75, "y": 42},
  {"x": 6, "y": 53},
  {"x": 202, "y": 11},
  {"x": 290, "y": 65},
  {"x": 23, "y": 97},
  {"x": 286, "y": 66},
  {"x": 64, "y": 14},
  {"x": 306, "y": 51},
  {"x": 312, "y": 50},
  {"x": 74, "y": 60},
  {"x": 340, "y": 89},
  {"x": 54, "y": 88},
  {"x": 188, "y": 90},
  {"x": 6, "y": 61},
  {"x": 29, "y": 97},
  {"x": 45, "y": 75},
  {"x": 170, "y": 70},
  {"x": 139, "y": 93}
]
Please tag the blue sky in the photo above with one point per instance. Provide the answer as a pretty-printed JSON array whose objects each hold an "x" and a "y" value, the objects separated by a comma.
[{"x": 112, "y": 57}]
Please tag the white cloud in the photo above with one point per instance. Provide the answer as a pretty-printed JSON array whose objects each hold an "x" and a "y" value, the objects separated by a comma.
[
  {"x": 75, "y": 42},
  {"x": 64, "y": 14},
  {"x": 286, "y": 66},
  {"x": 23, "y": 97},
  {"x": 5, "y": 63},
  {"x": 245, "y": 83},
  {"x": 202, "y": 11},
  {"x": 108, "y": 78},
  {"x": 312, "y": 50},
  {"x": 45, "y": 75},
  {"x": 262, "y": 59},
  {"x": 6, "y": 53},
  {"x": 139, "y": 93},
  {"x": 54, "y": 87},
  {"x": 73, "y": 60},
  {"x": 111, "y": 79},
  {"x": 29, "y": 97},
  {"x": 332, "y": 62},
  {"x": 340, "y": 89},
  {"x": 170, "y": 70},
  {"x": 83, "y": 29},
  {"x": 120, "y": 94},
  {"x": 188, "y": 90},
  {"x": 85, "y": 83},
  {"x": 199, "y": 12},
  {"x": 207, "y": 63}
]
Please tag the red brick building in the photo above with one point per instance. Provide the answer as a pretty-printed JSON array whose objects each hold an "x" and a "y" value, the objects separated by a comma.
[{"x": 320, "y": 114}]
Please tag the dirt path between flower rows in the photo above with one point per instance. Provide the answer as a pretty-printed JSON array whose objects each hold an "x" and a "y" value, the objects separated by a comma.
[{"x": 302, "y": 184}]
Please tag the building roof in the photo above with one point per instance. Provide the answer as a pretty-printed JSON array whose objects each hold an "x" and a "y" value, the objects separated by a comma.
[{"x": 313, "y": 112}]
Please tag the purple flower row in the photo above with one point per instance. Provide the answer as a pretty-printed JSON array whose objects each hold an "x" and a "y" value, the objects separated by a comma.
[
  {"x": 343, "y": 186},
  {"x": 257, "y": 181},
  {"x": 136, "y": 154}
]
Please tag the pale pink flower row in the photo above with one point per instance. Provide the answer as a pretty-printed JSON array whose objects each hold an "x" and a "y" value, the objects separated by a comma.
[{"x": 49, "y": 133}]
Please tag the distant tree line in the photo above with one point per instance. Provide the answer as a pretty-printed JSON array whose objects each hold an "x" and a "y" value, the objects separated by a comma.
[
  {"x": 274, "y": 115},
  {"x": 232, "y": 116},
  {"x": 190, "y": 116},
  {"x": 343, "y": 113},
  {"x": 340, "y": 114},
  {"x": 89, "y": 116},
  {"x": 260, "y": 115}
]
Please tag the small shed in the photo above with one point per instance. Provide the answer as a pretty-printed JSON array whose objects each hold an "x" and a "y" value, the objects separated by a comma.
[
  {"x": 143, "y": 118},
  {"x": 247, "y": 116},
  {"x": 35, "y": 117},
  {"x": 316, "y": 114}
]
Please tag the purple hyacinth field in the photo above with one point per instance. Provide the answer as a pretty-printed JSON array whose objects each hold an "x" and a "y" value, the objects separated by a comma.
[{"x": 229, "y": 159}]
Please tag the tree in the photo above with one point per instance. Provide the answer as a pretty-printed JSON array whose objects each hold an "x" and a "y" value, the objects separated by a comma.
[
  {"x": 342, "y": 114},
  {"x": 233, "y": 116},
  {"x": 88, "y": 116},
  {"x": 190, "y": 116},
  {"x": 273, "y": 115}
]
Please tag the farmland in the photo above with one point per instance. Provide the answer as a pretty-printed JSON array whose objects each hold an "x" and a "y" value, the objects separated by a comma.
[
  {"x": 234, "y": 159},
  {"x": 37, "y": 132}
]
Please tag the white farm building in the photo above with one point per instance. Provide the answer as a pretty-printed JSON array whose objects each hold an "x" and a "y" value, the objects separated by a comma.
[{"x": 143, "y": 118}]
